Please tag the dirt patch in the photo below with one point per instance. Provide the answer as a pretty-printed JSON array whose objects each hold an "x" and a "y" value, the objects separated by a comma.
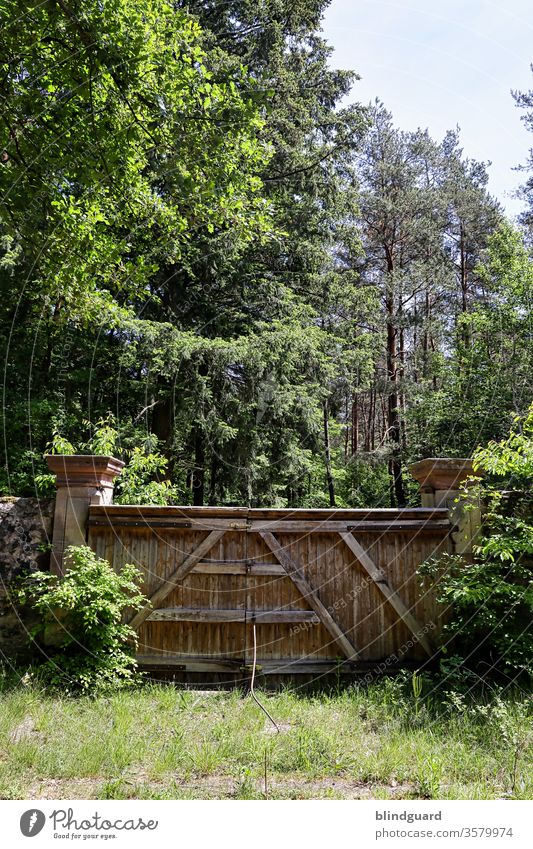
[
  {"x": 138, "y": 785},
  {"x": 65, "y": 788}
]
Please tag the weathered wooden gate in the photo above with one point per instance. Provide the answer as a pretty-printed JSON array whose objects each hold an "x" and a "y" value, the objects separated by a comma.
[
  {"x": 327, "y": 590},
  {"x": 323, "y": 588}
]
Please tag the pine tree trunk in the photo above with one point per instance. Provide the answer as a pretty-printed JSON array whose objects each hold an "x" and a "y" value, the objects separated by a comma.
[
  {"x": 327, "y": 453},
  {"x": 213, "y": 477},
  {"x": 393, "y": 417},
  {"x": 198, "y": 475},
  {"x": 355, "y": 425},
  {"x": 163, "y": 423}
]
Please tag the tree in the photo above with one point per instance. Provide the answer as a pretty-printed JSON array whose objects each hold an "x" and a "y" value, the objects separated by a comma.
[
  {"x": 486, "y": 383},
  {"x": 402, "y": 220},
  {"x": 425, "y": 218},
  {"x": 119, "y": 147},
  {"x": 286, "y": 285},
  {"x": 524, "y": 100}
]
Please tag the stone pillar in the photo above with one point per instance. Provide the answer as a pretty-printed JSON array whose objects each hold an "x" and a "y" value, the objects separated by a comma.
[
  {"x": 82, "y": 480},
  {"x": 440, "y": 482}
]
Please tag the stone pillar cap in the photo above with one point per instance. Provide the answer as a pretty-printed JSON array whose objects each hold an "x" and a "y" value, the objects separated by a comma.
[
  {"x": 442, "y": 473},
  {"x": 84, "y": 469}
]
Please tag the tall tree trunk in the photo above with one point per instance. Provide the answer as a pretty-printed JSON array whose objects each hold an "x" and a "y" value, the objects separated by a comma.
[
  {"x": 163, "y": 421},
  {"x": 464, "y": 280},
  {"x": 465, "y": 333},
  {"x": 348, "y": 432},
  {"x": 371, "y": 432},
  {"x": 355, "y": 425},
  {"x": 401, "y": 394},
  {"x": 198, "y": 475},
  {"x": 434, "y": 378},
  {"x": 213, "y": 477},
  {"x": 425, "y": 338},
  {"x": 393, "y": 417},
  {"x": 327, "y": 454}
]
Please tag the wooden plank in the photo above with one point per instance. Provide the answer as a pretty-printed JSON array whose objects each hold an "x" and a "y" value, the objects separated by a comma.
[
  {"x": 330, "y": 526},
  {"x": 297, "y": 576},
  {"x": 391, "y": 595},
  {"x": 377, "y": 514},
  {"x": 268, "y": 666},
  {"x": 409, "y": 525},
  {"x": 243, "y": 514},
  {"x": 187, "y": 662},
  {"x": 283, "y": 525},
  {"x": 209, "y": 614},
  {"x": 178, "y": 575},
  {"x": 263, "y": 570},
  {"x": 142, "y": 523},
  {"x": 169, "y": 510}
]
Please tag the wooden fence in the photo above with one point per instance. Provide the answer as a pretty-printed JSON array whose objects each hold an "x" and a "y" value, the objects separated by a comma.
[{"x": 327, "y": 590}]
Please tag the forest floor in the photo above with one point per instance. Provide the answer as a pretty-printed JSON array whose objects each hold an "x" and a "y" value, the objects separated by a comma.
[{"x": 159, "y": 742}]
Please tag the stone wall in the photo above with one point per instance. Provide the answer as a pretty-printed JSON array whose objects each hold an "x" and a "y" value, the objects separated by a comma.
[{"x": 25, "y": 537}]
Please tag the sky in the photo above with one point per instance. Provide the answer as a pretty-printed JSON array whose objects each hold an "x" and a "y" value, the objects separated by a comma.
[{"x": 441, "y": 65}]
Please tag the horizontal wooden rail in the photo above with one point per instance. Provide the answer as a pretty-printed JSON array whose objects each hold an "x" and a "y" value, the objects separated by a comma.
[
  {"x": 401, "y": 527},
  {"x": 244, "y": 514},
  {"x": 117, "y": 522},
  {"x": 279, "y": 526},
  {"x": 207, "y": 614},
  {"x": 260, "y": 570},
  {"x": 281, "y": 666},
  {"x": 240, "y": 519}
]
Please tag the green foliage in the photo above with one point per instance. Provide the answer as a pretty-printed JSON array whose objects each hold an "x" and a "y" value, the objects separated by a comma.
[
  {"x": 293, "y": 296},
  {"x": 136, "y": 485},
  {"x": 491, "y": 599},
  {"x": 488, "y": 379},
  {"x": 123, "y": 148},
  {"x": 104, "y": 436},
  {"x": 366, "y": 482},
  {"x": 138, "y": 145},
  {"x": 83, "y": 613},
  {"x": 59, "y": 444},
  {"x": 139, "y": 482}
]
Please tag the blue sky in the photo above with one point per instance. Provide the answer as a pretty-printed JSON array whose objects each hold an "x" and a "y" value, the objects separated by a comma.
[{"x": 439, "y": 65}]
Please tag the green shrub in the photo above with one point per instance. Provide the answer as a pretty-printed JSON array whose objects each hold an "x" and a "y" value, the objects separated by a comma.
[
  {"x": 138, "y": 483},
  {"x": 81, "y": 614},
  {"x": 491, "y": 599}
]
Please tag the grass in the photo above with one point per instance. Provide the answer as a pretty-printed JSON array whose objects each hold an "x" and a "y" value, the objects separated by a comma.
[{"x": 158, "y": 742}]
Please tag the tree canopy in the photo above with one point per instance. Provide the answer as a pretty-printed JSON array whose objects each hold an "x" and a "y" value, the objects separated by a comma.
[{"x": 205, "y": 251}]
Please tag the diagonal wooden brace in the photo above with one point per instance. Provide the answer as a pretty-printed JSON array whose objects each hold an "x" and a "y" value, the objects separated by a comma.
[
  {"x": 297, "y": 577},
  {"x": 377, "y": 576},
  {"x": 178, "y": 575}
]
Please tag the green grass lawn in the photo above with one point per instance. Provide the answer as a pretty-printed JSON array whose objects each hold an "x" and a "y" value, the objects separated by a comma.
[{"x": 159, "y": 742}]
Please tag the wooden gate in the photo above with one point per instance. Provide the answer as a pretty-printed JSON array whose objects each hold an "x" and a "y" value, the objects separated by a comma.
[{"x": 327, "y": 590}]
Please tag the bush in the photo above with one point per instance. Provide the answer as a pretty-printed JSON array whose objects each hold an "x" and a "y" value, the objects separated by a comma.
[
  {"x": 491, "y": 599},
  {"x": 138, "y": 482},
  {"x": 82, "y": 612}
]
